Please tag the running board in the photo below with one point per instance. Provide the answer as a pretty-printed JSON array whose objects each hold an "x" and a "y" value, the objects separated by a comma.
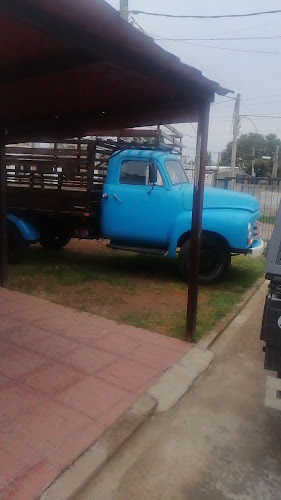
[{"x": 151, "y": 251}]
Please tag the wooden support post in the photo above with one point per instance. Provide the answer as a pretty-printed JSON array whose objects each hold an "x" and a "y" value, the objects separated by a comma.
[
  {"x": 197, "y": 209},
  {"x": 3, "y": 215}
]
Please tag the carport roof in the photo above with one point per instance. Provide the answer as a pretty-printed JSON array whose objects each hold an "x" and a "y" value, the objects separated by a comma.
[{"x": 73, "y": 67}]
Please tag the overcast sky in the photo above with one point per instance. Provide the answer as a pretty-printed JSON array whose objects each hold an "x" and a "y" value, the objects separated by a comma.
[{"x": 256, "y": 76}]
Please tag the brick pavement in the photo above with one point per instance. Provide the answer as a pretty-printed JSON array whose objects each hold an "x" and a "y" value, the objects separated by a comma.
[{"x": 65, "y": 377}]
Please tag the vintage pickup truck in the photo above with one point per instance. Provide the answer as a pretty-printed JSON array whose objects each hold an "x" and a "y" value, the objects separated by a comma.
[{"x": 138, "y": 199}]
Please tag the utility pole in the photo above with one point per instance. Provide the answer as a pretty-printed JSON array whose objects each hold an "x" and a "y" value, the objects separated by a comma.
[
  {"x": 275, "y": 163},
  {"x": 236, "y": 119},
  {"x": 253, "y": 162},
  {"x": 124, "y": 9},
  {"x": 218, "y": 161}
]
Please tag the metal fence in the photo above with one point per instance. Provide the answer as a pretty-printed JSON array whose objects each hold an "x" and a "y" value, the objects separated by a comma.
[{"x": 266, "y": 190}]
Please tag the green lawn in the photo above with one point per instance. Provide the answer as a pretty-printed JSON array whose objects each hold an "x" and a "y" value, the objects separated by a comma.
[
  {"x": 139, "y": 290},
  {"x": 268, "y": 219}
]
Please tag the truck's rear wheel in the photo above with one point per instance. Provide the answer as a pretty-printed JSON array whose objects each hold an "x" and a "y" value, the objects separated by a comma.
[
  {"x": 17, "y": 246},
  {"x": 214, "y": 260},
  {"x": 53, "y": 238}
]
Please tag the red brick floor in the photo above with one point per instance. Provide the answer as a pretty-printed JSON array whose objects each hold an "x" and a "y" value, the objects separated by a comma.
[{"x": 65, "y": 376}]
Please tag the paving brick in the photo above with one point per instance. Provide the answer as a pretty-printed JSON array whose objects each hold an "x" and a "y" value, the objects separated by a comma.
[
  {"x": 7, "y": 325},
  {"x": 52, "y": 378},
  {"x": 57, "y": 323},
  {"x": 15, "y": 399},
  {"x": 15, "y": 457},
  {"x": 92, "y": 367},
  {"x": 53, "y": 346},
  {"x": 128, "y": 374},
  {"x": 76, "y": 444},
  {"x": 9, "y": 491},
  {"x": 155, "y": 356},
  {"x": 17, "y": 361},
  {"x": 19, "y": 312},
  {"x": 93, "y": 396},
  {"x": 88, "y": 359},
  {"x": 118, "y": 344},
  {"x": 30, "y": 484},
  {"x": 47, "y": 426},
  {"x": 86, "y": 333},
  {"x": 153, "y": 338},
  {"x": 25, "y": 335}
]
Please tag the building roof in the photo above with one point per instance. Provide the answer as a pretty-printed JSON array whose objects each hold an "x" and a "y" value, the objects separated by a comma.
[{"x": 72, "y": 67}]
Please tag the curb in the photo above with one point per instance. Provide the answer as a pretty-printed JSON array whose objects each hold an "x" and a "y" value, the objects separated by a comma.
[
  {"x": 86, "y": 467},
  {"x": 170, "y": 387},
  {"x": 208, "y": 340}
]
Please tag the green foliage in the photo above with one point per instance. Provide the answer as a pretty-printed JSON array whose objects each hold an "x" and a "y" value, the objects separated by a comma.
[
  {"x": 253, "y": 147},
  {"x": 209, "y": 158}
]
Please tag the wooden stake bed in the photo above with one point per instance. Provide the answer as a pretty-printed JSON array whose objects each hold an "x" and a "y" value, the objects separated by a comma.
[{"x": 66, "y": 177}]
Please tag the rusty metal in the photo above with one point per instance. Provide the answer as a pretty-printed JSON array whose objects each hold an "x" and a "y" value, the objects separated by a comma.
[
  {"x": 197, "y": 209},
  {"x": 3, "y": 215}
]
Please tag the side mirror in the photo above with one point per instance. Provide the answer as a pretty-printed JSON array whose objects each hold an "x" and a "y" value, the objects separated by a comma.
[{"x": 152, "y": 172}]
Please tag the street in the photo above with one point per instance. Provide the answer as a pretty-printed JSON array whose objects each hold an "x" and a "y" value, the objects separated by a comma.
[{"x": 218, "y": 442}]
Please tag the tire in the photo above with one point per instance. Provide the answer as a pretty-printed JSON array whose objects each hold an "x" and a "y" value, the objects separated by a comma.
[
  {"x": 214, "y": 260},
  {"x": 54, "y": 241},
  {"x": 53, "y": 236},
  {"x": 17, "y": 246}
]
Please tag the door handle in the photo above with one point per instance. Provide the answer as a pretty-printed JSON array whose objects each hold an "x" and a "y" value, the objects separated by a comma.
[
  {"x": 105, "y": 196},
  {"x": 116, "y": 197}
]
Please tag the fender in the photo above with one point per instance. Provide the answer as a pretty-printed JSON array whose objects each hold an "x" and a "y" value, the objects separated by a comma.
[
  {"x": 27, "y": 229},
  {"x": 225, "y": 222}
]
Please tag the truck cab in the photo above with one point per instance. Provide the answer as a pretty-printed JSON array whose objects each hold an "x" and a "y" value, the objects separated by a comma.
[{"x": 143, "y": 215}]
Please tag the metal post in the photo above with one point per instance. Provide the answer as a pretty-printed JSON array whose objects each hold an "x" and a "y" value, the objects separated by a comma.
[
  {"x": 275, "y": 163},
  {"x": 236, "y": 120},
  {"x": 3, "y": 215},
  {"x": 124, "y": 9},
  {"x": 197, "y": 209}
]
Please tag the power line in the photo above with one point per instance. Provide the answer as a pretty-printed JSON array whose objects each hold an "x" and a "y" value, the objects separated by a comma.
[
  {"x": 221, "y": 102},
  {"x": 261, "y": 116},
  {"x": 189, "y": 16},
  {"x": 261, "y": 96},
  {"x": 227, "y": 48},
  {"x": 273, "y": 37}
]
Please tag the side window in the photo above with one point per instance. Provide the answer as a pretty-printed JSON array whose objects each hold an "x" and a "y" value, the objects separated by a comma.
[{"x": 137, "y": 173}]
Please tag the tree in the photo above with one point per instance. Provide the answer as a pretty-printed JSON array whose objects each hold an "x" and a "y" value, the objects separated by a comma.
[
  {"x": 253, "y": 147},
  {"x": 209, "y": 158}
]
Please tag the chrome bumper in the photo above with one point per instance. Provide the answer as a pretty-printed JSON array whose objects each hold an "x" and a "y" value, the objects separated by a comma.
[{"x": 257, "y": 248}]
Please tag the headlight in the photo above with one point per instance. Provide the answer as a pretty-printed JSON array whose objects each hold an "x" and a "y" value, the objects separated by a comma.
[{"x": 249, "y": 235}]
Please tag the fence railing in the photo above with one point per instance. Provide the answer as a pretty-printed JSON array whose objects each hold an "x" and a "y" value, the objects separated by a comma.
[{"x": 266, "y": 190}]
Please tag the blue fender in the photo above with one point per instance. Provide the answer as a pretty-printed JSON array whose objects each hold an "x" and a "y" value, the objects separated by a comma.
[
  {"x": 27, "y": 229},
  {"x": 181, "y": 225},
  {"x": 231, "y": 224}
]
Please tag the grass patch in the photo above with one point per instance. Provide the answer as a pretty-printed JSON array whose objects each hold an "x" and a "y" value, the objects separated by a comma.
[
  {"x": 268, "y": 219},
  {"x": 140, "y": 290}
]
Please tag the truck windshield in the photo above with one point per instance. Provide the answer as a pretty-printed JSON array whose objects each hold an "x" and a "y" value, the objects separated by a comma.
[{"x": 176, "y": 172}]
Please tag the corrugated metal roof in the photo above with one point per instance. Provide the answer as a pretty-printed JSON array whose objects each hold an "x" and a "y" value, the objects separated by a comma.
[{"x": 71, "y": 66}]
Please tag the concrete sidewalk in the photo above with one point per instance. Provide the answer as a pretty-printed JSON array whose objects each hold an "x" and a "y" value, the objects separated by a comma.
[{"x": 65, "y": 378}]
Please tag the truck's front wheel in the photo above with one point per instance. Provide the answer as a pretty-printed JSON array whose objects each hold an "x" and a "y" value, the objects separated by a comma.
[{"x": 214, "y": 260}]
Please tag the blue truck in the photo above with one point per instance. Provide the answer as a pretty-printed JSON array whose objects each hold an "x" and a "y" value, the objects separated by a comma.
[{"x": 139, "y": 199}]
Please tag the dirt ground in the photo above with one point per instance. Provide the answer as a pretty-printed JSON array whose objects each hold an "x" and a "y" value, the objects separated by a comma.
[{"x": 144, "y": 291}]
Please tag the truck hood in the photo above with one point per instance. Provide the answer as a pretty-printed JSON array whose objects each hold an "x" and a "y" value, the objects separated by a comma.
[{"x": 222, "y": 198}]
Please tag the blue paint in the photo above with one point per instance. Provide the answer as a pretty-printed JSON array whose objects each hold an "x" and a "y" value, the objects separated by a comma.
[
  {"x": 138, "y": 214},
  {"x": 133, "y": 214},
  {"x": 27, "y": 228}
]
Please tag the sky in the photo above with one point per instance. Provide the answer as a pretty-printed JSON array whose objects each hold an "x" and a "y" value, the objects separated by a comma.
[{"x": 255, "y": 75}]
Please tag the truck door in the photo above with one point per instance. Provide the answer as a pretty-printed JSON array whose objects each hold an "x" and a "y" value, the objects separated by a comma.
[{"x": 133, "y": 211}]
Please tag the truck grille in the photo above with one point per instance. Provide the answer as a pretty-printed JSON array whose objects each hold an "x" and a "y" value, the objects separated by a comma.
[{"x": 256, "y": 230}]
